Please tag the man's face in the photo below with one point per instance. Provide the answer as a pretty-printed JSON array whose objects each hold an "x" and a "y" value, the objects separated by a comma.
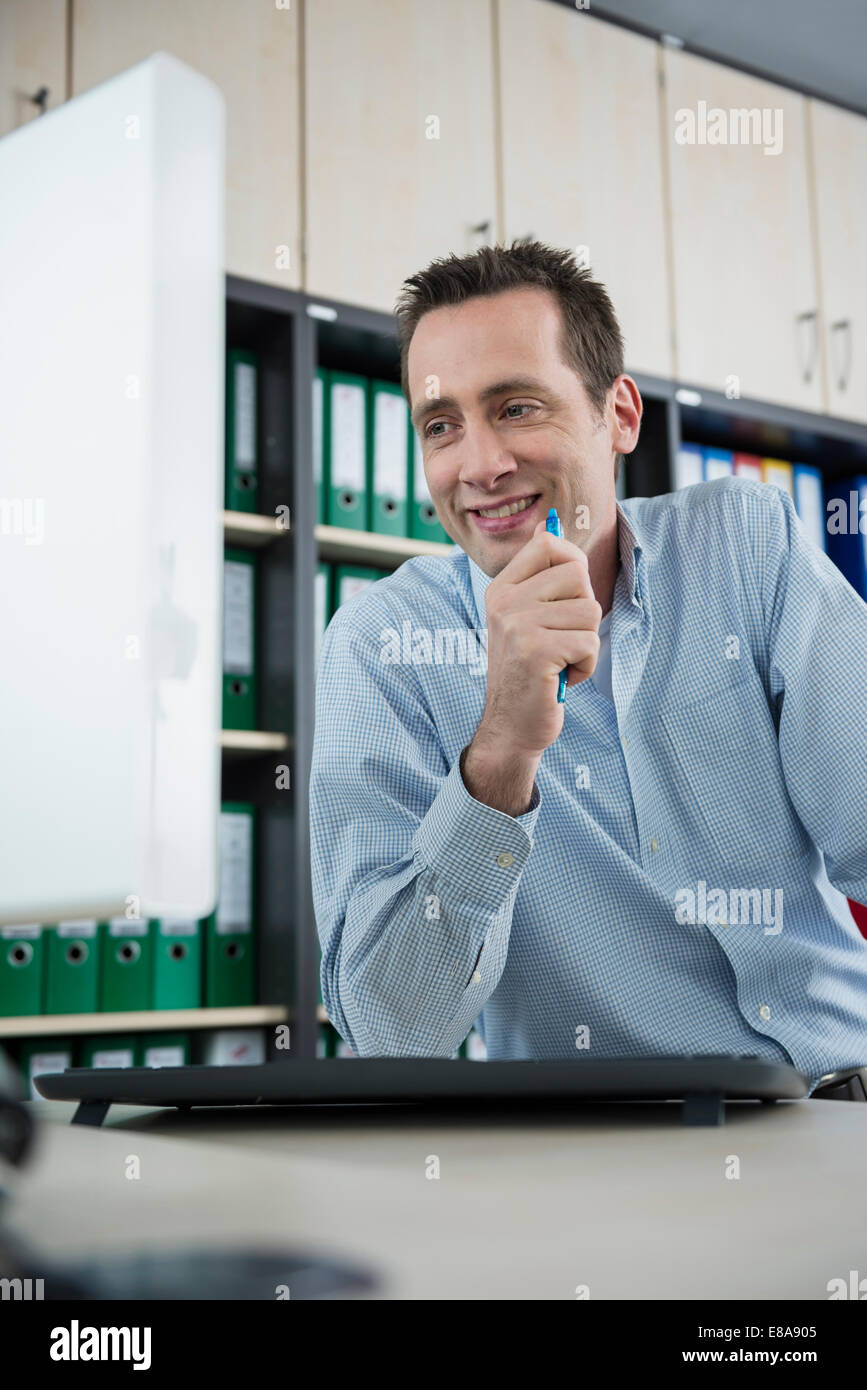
[{"x": 504, "y": 422}]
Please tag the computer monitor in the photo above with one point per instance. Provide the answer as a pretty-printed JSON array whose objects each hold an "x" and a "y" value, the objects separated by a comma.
[{"x": 111, "y": 443}]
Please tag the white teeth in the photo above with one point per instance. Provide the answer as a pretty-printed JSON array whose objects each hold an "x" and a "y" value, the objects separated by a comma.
[{"x": 510, "y": 510}]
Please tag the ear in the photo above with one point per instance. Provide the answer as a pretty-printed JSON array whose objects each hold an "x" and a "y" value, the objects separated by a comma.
[{"x": 625, "y": 410}]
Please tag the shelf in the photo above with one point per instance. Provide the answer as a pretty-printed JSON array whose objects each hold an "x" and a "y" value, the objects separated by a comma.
[
  {"x": 250, "y": 529},
  {"x": 367, "y": 548},
  {"x": 751, "y": 426},
  {"x": 142, "y": 1020},
  {"x": 246, "y": 743}
]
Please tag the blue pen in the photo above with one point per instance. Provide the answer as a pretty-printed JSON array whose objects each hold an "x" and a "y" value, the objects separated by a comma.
[{"x": 553, "y": 525}]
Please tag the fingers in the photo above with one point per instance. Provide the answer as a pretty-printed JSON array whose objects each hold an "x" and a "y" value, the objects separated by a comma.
[
  {"x": 540, "y": 553},
  {"x": 572, "y": 614},
  {"x": 576, "y": 673},
  {"x": 576, "y": 651},
  {"x": 569, "y": 580}
]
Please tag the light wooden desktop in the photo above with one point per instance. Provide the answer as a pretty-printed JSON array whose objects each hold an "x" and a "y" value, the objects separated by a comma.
[{"x": 622, "y": 1199}]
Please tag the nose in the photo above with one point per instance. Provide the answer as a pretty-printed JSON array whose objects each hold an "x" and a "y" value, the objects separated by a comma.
[{"x": 483, "y": 460}]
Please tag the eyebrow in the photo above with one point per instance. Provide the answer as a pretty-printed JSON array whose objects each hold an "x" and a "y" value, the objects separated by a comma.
[{"x": 516, "y": 385}]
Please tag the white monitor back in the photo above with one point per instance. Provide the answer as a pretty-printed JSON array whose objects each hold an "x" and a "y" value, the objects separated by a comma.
[{"x": 111, "y": 479}]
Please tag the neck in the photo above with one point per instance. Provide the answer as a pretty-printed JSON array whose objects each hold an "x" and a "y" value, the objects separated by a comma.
[{"x": 603, "y": 555}]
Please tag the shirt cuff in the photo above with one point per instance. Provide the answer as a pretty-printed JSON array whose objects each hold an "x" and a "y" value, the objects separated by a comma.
[{"x": 477, "y": 846}]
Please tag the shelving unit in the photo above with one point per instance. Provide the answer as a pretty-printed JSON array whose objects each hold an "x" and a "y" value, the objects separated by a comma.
[
  {"x": 141, "y": 1021},
  {"x": 251, "y": 530},
  {"x": 243, "y": 743},
  {"x": 367, "y": 548},
  {"x": 837, "y": 447}
]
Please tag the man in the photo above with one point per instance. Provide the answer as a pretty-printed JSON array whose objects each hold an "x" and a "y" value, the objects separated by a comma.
[{"x": 660, "y": 863}]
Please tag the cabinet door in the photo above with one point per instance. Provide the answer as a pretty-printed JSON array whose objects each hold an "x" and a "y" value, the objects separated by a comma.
[
  {"x": 839, "y": 141},
  {"x": 582, "y": 158},
  {"x": 32, "y": 55},
  {"x": 744, "y": 269},
  {"x": 400, "y": 140},
  {"x": 250, "y": 50}
]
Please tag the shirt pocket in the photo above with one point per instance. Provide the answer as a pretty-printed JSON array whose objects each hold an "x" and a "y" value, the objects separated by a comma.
[{"x": 730, "y": 784}]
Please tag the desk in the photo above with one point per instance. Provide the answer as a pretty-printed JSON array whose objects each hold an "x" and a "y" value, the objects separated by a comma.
[{"x": 622, "y": 1198}]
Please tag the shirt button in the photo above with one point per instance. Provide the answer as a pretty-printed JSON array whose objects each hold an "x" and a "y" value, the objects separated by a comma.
[
  {"x": 505, "y": 860},
  {"x": 623, "y": 739},
  {"x": 476, "y": 977},
  {"x": 724, "y": 924},
  {"x": 654, "y": 845},
  {"x": 764, "y": 1012}
]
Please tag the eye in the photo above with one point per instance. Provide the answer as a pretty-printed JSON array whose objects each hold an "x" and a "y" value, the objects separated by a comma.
[
  {"x": 432, "y": 426},
  {"x": 520, "y": 405}
]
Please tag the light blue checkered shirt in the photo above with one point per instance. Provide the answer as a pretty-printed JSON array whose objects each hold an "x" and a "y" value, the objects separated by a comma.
[{"x": 728, "y": 776}]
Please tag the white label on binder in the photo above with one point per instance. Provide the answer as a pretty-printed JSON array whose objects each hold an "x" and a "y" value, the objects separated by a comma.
[
  {"x": 320, "y": 596},
  {"x": 237, "y": 618},
  {"x": 125, "y": 926},
  {"x": 318, "y": 403},
  {"x": 810, "y": 504},
  {"x": 234, "y": 907},
  {"x": 353, "y": 584},
  {"x": 42, "y": 1062},
  {"x": 781, "y": 475},
  {"x": 745, "y": 469},
  {"x": 420, "y": 487},
  {"x": 164, "y": 1056},
  {"x": 476, "y": 1050},
  {"x": 389, "y": 445},
  {"x": 112, "y": 1057},
  {"x": 718, "y": 468},
  {"x": 20, "y": 933},
  {"x": 688, "y": 468},
  {"x": 234, "y": 1047},
  {"x": 245, "y": 416},
  {"x": 347, "y": 436},
  {"x": 178, "y": 926},
  {"x": 78, "y": 930}
]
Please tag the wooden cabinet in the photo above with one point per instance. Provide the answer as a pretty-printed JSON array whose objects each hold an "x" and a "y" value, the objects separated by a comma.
[
  {"x": 726, "y": 215},
  {"x": 400, "y": 162},
  {"x": 582, "y": 159},
  {"x": 839, "y": 146},
  {"x": 746, "y": 293},
  {"x": 32, "y": 56},
  {"x": 250, "y": 50}
]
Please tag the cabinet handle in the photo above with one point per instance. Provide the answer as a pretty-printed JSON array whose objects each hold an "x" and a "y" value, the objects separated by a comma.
[
  {"x": 838, "y": 329},
  {"x": 811, "y": 318},
  {"x": 40, "y": 99},
  {"x": 478, "y": 234}
]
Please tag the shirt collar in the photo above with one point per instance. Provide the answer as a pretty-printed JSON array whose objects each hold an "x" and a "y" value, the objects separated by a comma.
[{"x": 633, "y": 567}]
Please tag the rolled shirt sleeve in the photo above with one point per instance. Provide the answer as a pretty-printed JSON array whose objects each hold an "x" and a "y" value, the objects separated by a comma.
[
  {"x": 817, "y": 674},
  {"x": 414, "y": 881}
]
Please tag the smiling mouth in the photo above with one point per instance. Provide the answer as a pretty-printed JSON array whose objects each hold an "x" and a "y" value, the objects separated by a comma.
[{"x": 506, "y": 509}]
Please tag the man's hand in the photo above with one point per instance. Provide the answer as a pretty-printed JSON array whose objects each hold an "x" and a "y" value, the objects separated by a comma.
[{"x": 541, "y": 616}]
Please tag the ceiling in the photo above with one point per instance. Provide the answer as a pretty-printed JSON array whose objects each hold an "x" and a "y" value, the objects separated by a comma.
[{"x": 819, "y": 48}]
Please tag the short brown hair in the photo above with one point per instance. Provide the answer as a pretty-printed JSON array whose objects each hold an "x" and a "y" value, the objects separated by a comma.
[{"x": 591, "y": 341}]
